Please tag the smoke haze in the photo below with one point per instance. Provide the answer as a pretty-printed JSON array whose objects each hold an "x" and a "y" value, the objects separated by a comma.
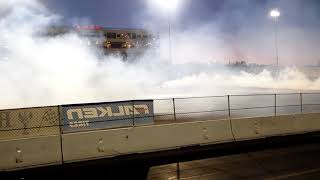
[{"x": 37, "y": 71}]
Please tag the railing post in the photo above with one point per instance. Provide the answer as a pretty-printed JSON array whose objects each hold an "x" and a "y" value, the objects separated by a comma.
[
  {"x": 275, "y": 104},
  {"x": 61, "y": 124},
  {"x": 175, "y": 119},
  {"x": 229, "y": 110},
  {"x": 230, "y": 120},
  {"x": 301, "y": 108},
  {"x": 133, "y": 119},
  {"x": 174, "y": 109}
]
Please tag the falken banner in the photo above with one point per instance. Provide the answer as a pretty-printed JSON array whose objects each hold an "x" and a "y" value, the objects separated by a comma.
[{"x": 85, "y": 117}]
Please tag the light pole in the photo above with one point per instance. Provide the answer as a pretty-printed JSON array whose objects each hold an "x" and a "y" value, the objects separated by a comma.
[
  {"x": 168, "y": 6},
  {"x": 275, "y": 14},
  {"x": 169, "y": 35},
  {"x": 170, "y": 42}
]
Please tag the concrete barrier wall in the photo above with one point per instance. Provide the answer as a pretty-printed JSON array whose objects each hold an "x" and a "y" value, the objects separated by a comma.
[
  {"x": 29, "y": 137},
  {"x": 43, "y": 150},
  {"x": 310, "y": 122},
  {"x": 289, "y": 124},
  {"x": 248, "y": 128},
  {"x": 36, "y": 151},
  {"x": 161, "y": 137},
  {"x": 91, "y": 145},
  {"x": 259, "y": 127}
]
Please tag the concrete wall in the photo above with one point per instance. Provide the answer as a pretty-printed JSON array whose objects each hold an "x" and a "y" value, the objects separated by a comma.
[
  {"x": 29, "y": 152},
  {"x": 90, "y": 145},
  {"x": 259, "y": 127},
  {"x": 112, "y": 142},
  {"x": 29, "y": 137}
]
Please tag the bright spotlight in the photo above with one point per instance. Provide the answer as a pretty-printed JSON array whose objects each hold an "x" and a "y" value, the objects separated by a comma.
[
  {"x": 275, "y": 13},
  {"x": 167, "y": 4}
]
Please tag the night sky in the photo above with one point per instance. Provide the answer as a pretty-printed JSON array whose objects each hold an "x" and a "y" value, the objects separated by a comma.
[
  {"x": 241, "y": 26},
  {"x": 230, "y": 14}
]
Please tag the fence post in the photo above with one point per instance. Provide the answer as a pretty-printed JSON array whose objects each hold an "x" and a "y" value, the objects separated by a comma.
[
  {"x": 301, "y": 109},
  {"x": 61, "y": 124},
  {"x": 174, "y": 109},
  {"x": 175, "y": 119},
  {"x": 229, "y": 110},
  {"x": 133, "y": 119},
  {"x": 275, "y": 104}
]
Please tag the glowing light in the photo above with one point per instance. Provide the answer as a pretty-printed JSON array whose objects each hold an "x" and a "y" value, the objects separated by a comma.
[
  {"x": 275, "y": 13},
  {"x": 167, "y": 4}
]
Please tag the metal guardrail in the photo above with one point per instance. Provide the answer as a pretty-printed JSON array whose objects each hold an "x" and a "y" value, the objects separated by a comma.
[
  {"x": 236, "y": 106},
  {"x": 171, "y": 110}
]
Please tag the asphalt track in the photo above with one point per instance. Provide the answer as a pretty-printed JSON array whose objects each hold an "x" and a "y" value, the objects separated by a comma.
[{"x": 301, "y": 162}]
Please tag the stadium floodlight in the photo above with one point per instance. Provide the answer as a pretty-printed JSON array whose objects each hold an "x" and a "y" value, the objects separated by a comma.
[
  {"x": 170, "y": 5},
  {"x": 275, "y": 13}
]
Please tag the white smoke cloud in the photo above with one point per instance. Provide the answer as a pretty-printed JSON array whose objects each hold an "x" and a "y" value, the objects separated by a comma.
[{"x": 38, "y": 71}]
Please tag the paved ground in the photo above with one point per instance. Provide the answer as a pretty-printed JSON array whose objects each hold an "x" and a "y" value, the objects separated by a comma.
[{"x": 282, "y": 164}]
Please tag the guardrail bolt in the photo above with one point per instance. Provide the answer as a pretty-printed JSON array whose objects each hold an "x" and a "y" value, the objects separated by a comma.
[
  {"x": 256, "y": 127},
  {"x": 19, "y": 158},
  {"x": 205, "y": 133},
  {"x": 100, "y": 145}
]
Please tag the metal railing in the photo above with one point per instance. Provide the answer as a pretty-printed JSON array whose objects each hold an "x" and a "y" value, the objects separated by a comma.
[
  {"x": 166, "y": 111},
  {"x": 177, "y": 110}
]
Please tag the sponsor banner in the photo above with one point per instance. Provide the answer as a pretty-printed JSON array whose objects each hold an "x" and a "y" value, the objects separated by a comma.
[
  {"x": 29, "y": 122},
  {"x": 84, "y": 117}
]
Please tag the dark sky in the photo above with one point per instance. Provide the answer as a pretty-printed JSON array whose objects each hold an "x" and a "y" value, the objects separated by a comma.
[
  {"x": 228, "y": 13},
  {"x": 241, "y": 26}
]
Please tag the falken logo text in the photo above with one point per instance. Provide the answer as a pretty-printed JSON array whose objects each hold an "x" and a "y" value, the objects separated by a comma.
[{"x": 83, "y": 114}]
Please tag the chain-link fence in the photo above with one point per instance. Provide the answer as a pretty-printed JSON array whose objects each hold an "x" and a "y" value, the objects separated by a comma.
[
  {"x": 30, "y": 122},
  {"x": 177, "y": 110},
  {"x": 310, "y": 102},
  {"x": 43, "y": 121}
]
